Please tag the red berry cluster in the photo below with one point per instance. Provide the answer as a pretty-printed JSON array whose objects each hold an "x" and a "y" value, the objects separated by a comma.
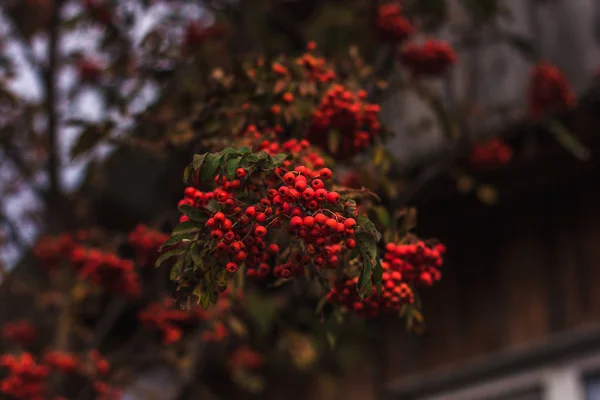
[
  {"x": 393, "y": 295},
  {"x": 99, "y": 363},
  {"x": 21, "y": 332},
  {"x": 417, "y": 262},
  {"x": 217, "y": 332},
  {"x": 431, "y": 58},
  {"x": 244, "y": 357},
  {"x": 404, "y": 266},
  {"x": 26, "y": 379},
  {"x": 392, "y": 25},
  {"x": 356, "y": 120},
  {"x": 146, "y": 242},
  {"x": 491, "y": 154},
  {"x": 162, "y": 316},
  {"x": 315, "y": 68},
  {"x": 107, "y": 270},
  {"x": 64, "y": 362},
  {"x": 51, "y": 250},
  {"x": 549, "y": 91}
]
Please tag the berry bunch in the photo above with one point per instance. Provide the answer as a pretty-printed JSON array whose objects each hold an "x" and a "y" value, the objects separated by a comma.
[
  {"x": 431, "y": 58},
  {"x": 392, "y": 25},
  {"x": 491, "y": 154},
  {"x": 99, "y": 363},
  {"x": 146, "y": 242},
  {"x": 21, "y": 332},
  {"x": 51, "y": 251},
  {"x": 244, "y": 357},
  {"x": 64, "y": 362},
  {"x": 347, "y": 112},
  {"x": 315, "y": 68},
  {"x": 25, "y": 378},
  {"x": 162, "y": 316},
  {"x": 107, "y": 270},
  {"x": 418, "y": 263},
  {"x": 549, "y": 91}
]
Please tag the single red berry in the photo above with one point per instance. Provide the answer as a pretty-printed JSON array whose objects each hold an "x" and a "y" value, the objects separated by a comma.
[
  {"x": 350, "y": 223},
  {"x": 227, "y": 224},
  {"x": 216, "y": 233},
  {"x": 183, "y": 218},
  {"x": 251, "y": 211},
  {"x": 325, "y": 173},
  {"x": 189, "y": 192},
  {"x": 317, "y": 184},
  {"x": 260, "y": 231},
  {"x": 300, "y": 185},
  {"x": 321, "y": 219},
  {"x": 240, "y": 173},
  {"x": 333, "y": 197},
  {"x": 321, "y": 195},
  {"x": 350, "y": 243},
  {"x": 296, "y": 222},
  {"x": 261, "y": 217},
  {"x": 273, "y": 248},
  {"x": 308, "y": 221},
  {"x": 219, "y": 217},
  {"x": 289, "y": 178},
  {"x": 240, "y": 256},
  {"x": 231, "y": 267},
  {"x": 331, "y": 224}
]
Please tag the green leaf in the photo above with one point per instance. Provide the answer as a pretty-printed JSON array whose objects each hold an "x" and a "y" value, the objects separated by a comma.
[
  {"x": 193, "y": 213},
  {"x": 383, "y": 216},
  {"x": 188, "y": 226},
  {"x": 232, "y": 166},
  {"x": 280, "y": 158},
  {"x": 199, "y": 293},
  {"x": 320, "y": 305},
  {"x": 372, "y": 269},
  {"x": 198, "y": 160},
  {"x": 331, "y": 339},
  {"x": 209, "y": 167},
  {"x": 244, "y": 150},
  {"x": 366, "y": 224},
  {"x": 176, "y": 269},
  {"x": 176, "y": 238},
  {"x": 221, "y": 279},
  {"x": 166, "y": 255},
  {"x": 188, "y": 173},
  {"x": 196, "y": 256}
]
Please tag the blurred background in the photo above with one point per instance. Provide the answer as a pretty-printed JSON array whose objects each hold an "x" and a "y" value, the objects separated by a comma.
[{"x": 95, "y": 131}]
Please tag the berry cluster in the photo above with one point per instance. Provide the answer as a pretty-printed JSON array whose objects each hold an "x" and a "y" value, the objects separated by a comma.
[
  {"x": 491, "y": 154},
  {"x": 25, "y": 378},
  {"x": 404, "y": 266},
  {"x": 356, "y": 120},
  {"x": 51, "y": 251},
  {"x": 392, "y": 25},
  {"x": 549, "y": 91},
  {"x": 107, "y": 270},
  {"x": 315, "y": 68},
  {"x": 146, "y": 242},
  {"x": 162, "y": 316},
  {"x": 244, "y": 357},
  {"x": 64, "y": 362},
  {"x": 21, "y": 332},
  {"x": 431, "y": 58}
]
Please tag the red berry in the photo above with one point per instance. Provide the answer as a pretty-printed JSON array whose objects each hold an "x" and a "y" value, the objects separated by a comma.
[
  {"x": 261, "y": 217},
  {"x": 231, "y": 267},
  {"x": 227, "y": 224},
  {"x": 350, "y": 243},
  {"x": 321, "y": 195},
  {"x": 289, "y": 178},
  {"x": 240, "y": 256},
  {"x": 308, "y": 221},
  {"x": 308, "y": 193},
  {"x": 189, "y": 192},
  {"x": 260, "y": 231},
  {"x": 251, "y": 211},
  {"x": 321, "y": 219},
  {"x": 317, "y": 184},
  {"x": 300, "y": 185},
  {"x": 216, "y": 234},
  {"x": 219, "y": 217},
  {"x": 350, "y": 223},
  {"x": 273, "y": 248},
  {"x": 240, "y": 173},
  {"x": 325, "y": 173},
  {"x": 296, "y": 222},
  {"x": 333, "y": 197},
  {"x": 331, "y": 224}
]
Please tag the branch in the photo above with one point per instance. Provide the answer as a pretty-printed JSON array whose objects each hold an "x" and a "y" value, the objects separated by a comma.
[{"x": 197, "y": 349}]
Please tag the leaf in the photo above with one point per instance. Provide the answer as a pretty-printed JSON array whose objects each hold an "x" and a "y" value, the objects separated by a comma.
[
  {"x": 188, "y": 174},
  {"x": 196, "y": 256},
  {"x": 279, "y": 158},
  {"x": 384, "y": 216},
  {"x": 365, "y": 223},
  {"x": 372, "y": 269},
  {"x": 222, "y": 280},
  {"x": 334, "y": 139},
  {"x": 331, "y": 339},
  {"x": 193, "y": 213},
  {"x": 176, "y": 269},
  {"x": 165, "y": 256},
  {"x": 569, "y": 140},
  {"x": 198, "y": 292},
  {"x": 86, "y": 141},
  {"x": 175, "y": 239},
  {"x": 232, "y": 166},
  {"x": 321, "y": 305},
  {"x": 244, "y": 150},
  {"x": 209, "y": 167},
  {"x": 198, "y": 160},
  {"x": 186, "y": 227}
]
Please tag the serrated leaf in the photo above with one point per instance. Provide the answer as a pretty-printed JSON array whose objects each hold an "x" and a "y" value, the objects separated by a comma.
[
  {"x": 176, "y": 269},
  {"x": 209, "y": 167},
  {"x": 166, "y": 255},
  {"x": 232, "y": 166},
  {"x": 280, "y": 158},
  {"x": 193, "y": 213},
  {"x": 198, "y": 160},
  {"x": 372, "y": 269},
  {"x": 365, "y": 223}
]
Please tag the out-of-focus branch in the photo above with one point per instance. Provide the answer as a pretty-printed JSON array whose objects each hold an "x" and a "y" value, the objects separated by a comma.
[
  {"x": 197, "y": 350},
  {"x": 52, "y": 100}
]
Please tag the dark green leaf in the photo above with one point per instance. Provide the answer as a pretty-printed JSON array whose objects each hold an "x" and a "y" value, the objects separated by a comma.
[
  {"x": 176, "y": 269},
  {"x": 371, "y": 269},
  {"x": 232, "y": 166},
  {"x": 364, "y": 223},
  {"x": 279, "y": 158},
  {"x": 193, "y": 213},
  {"x": 166, "y": 255},
  {"x": 198, "y": 161},
  {"x": 244, "y": 150},
  {"x": 209, "y": 167},
  {"x": 177, "y": 238},
  {"x": 188, "y": 173},
  {"x": 188, "y": 226}
]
